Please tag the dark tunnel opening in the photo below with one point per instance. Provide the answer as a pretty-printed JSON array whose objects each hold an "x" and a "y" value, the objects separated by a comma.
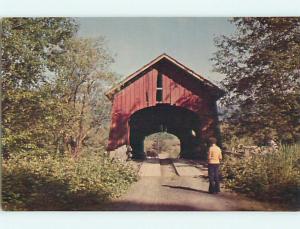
[{"x": 181, "y": 122}]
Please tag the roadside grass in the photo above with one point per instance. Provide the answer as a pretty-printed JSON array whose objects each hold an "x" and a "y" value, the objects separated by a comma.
[
  {"x": 47, "y": 182},
  {"x": 272, "y": 177}
]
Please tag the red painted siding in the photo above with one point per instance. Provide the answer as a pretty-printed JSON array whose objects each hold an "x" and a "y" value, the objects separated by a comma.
[
  {"x": 126, "y": 102},
  {"x": 178, "y": 89}
]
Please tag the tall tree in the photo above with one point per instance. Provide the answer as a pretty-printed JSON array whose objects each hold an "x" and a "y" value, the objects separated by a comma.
[
  {"x": 86, "y": 77},
  {"x": 30, "y": 51},
  {"x": 261, "y": 62}
]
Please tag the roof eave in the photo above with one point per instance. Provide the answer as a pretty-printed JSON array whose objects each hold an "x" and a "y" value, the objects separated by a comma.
[{"x": 110, "y": 93}]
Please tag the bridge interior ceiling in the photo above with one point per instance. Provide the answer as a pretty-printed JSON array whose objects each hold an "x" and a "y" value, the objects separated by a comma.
[{"x": 178, "y": 121}]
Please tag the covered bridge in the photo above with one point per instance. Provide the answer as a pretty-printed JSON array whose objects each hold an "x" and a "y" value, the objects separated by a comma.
[{"x": 164, "y": 95}]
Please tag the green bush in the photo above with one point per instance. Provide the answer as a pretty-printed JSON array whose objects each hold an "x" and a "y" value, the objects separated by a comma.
[
  {"x": 46, "y": 182},
  {"x": 274, "y": 176}
]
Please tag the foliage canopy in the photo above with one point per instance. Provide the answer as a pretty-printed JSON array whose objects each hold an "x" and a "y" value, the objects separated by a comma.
[
  {"x": 262, "y": 68},
  {"x": 52, "y": 85}
]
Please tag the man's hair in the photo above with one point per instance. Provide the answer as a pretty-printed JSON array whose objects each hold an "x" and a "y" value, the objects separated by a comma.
[{"x": 212, "y": 140}]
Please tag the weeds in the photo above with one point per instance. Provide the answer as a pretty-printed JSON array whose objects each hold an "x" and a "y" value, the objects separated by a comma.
[
  {"x": 46, "y": 182},
  {"x": 274, "y": 176}
]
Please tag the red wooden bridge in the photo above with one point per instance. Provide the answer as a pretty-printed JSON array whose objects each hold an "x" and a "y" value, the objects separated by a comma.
[{"x": 164, "y": 95}]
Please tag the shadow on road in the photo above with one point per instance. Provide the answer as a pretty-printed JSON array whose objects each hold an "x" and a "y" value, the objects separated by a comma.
[
  {"x": 185, "y": 188},
  {"x": 142, "y": 206}
]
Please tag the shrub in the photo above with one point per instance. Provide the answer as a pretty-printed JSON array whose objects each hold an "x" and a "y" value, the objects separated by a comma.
[
  {"x": 47, "y": 182},
  {"x": 274, "y": 176}
]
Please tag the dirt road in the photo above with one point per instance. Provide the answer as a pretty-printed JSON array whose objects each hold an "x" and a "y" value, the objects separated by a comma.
[{"x": 178, "y": 185}]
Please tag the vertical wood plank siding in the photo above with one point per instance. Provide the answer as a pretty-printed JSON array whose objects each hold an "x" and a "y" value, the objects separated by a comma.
[{"x": 179, "y": 89}]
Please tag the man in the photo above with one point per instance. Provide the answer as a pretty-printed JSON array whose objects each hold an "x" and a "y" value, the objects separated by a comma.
[{"x": 214, "y": 157}]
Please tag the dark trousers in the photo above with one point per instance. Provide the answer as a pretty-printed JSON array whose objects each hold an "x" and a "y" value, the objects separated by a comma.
[{"x": 213, "y": 175}]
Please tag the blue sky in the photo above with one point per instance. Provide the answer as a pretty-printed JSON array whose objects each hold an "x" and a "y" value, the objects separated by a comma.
[{"x": 136, "y": 41}]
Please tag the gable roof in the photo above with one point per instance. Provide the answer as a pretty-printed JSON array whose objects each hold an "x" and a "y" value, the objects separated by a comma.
[{"x": 110, "y": 93}]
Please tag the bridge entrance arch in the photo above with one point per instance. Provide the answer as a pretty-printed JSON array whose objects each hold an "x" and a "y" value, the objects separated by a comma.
[{"x": 182, "y": 123}]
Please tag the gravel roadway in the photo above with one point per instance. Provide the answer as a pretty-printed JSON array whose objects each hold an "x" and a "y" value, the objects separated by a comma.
[{"x": 177, "y": 185}]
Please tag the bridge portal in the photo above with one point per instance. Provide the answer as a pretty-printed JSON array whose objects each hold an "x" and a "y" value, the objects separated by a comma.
[{"x": 164, "y": 95}]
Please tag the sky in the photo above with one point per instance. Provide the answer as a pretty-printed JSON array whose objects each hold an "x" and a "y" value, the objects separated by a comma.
[{"x": 134, "y": 42}]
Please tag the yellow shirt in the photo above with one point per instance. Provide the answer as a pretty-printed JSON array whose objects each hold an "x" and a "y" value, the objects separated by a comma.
[{"x": 214, "y": 154}]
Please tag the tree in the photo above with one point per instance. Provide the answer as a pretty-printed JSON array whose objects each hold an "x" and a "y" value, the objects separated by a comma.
[
  {"x": 85, "y": 78},
  {"x": 157, "y": 144},
  {"x": 30, "y": 52},
  {"x": 261, "y": 65}
]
